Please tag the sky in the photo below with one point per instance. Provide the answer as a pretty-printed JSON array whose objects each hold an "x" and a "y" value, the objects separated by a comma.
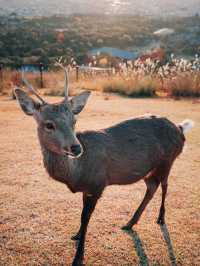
[{"x": 147, "y": 7}]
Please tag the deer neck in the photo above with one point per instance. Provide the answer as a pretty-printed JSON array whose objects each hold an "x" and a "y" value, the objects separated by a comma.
[{"x": 62, "y": 168}]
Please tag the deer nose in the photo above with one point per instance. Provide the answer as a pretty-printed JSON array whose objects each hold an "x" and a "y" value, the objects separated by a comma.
[{"x": 76, "y": 149}]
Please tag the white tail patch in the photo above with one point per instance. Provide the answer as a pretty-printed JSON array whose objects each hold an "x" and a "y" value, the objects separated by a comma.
[{"x": 186, "y": 125}]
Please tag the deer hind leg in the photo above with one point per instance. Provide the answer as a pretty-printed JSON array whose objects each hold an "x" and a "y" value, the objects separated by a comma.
[
  {"x": 161, "y": 217},
  {"x": 152, "y": 184},
  {"x": 164, "y": 185}
]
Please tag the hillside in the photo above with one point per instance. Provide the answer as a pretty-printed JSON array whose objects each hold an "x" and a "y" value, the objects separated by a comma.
[{"x": 36, "y": 39}]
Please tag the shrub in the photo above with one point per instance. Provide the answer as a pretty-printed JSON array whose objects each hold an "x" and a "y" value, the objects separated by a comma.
[
  {"x": 133, "y": 87},
  {"x": 185, "y": 85}
]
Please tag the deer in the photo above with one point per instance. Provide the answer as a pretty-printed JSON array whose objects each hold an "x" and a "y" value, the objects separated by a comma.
[{"x": 142, "y": 148}]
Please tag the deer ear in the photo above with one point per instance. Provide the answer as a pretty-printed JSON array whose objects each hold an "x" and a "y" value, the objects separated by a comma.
[
  {"x": 28, "y": 105},
  {"x": 78, "y": 102}
]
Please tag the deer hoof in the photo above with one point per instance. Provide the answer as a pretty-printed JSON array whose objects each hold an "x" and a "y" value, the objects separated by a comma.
[
  {"x": 126, "y": 228},
  {"x": 77, "y": 263}
]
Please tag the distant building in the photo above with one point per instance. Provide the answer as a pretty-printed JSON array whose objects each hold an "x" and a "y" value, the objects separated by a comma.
[
  {"x": 60, "y": 35},
  {"x": 114, "y": 52},
  {"x": 157, "y": 54}
]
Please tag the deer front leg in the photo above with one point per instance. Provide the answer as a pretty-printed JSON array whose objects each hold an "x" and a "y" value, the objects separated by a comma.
[
  {"x": 78, "y": 235},
  {"x": 89, "y": 206}
]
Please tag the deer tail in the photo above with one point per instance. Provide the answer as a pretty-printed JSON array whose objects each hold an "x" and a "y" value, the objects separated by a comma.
[{"x": 186, "y": 125}]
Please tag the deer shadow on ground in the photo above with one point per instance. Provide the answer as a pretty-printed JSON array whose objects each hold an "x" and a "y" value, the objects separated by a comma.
[
  {"x": 168, "y": 241},
  {"x": 143, "y": 259}
]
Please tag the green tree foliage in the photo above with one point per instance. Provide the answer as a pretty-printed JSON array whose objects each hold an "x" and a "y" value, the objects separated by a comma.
[{"x": 39, "y": 38}]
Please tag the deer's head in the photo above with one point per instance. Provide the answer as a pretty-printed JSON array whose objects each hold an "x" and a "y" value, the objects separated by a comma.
[{"x": 56, "y": 122}]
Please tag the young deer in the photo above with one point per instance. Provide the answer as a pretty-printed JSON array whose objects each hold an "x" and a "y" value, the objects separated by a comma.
[{"x": 141, "y": 148}]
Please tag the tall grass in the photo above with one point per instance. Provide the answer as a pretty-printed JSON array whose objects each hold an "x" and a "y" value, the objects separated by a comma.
[
  {"x": 53, "y": 82},
  {"x": 185, "y": 84},
  {"x": 5, "y": 82},
  {"x": 132, "y": 87}
]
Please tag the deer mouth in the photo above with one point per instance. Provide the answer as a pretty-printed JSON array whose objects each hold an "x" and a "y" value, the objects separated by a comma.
[
  {"x": 74, "y": 153},
  {"x": 67, "y": 153},
  {"x": 70, "y": 154}
]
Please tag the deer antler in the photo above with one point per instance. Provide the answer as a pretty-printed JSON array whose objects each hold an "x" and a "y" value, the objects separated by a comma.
[
  {"x": 30, "y": 87},
  {"x": 66, "y": 87}
]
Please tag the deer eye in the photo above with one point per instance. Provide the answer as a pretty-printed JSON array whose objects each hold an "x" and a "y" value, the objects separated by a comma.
[{"x": 50, "y": 126}]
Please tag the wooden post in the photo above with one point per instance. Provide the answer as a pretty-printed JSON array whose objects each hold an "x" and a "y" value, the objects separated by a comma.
[
  {"x": 1, "y": 77},
  {"x": 41, "y": 67},
  {"x": 77, "y": 73}
]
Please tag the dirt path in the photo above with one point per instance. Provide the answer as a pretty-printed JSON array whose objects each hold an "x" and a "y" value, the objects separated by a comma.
[{"x": 38, "y": 215}]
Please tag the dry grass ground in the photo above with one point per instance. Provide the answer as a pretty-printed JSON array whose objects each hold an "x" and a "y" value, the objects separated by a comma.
[{"x": 39, "y": 215}]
